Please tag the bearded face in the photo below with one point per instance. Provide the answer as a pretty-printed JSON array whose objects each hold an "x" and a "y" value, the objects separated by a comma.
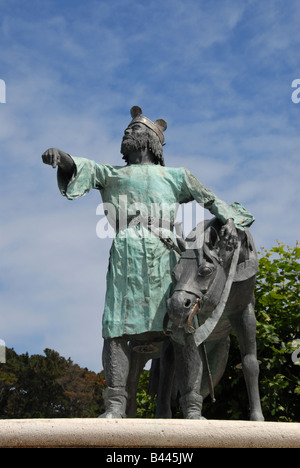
[
  {"x": 131, "y": 144},
  {"x": 138, "y": 137},
  {"x": 135, "y": 139}
]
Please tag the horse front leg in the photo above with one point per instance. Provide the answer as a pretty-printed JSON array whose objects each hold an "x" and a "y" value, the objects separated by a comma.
[
  {"x": 244, "y": 325},
  {"x": 189, "y": 371},
  {"x": 166, "y": 379}
]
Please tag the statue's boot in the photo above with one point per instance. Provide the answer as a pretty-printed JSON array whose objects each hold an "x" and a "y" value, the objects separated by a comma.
[
  {"x": 116, "y": 357},
  {"x": 191, "y": 405},
  {"x": 115, "y": 400}
]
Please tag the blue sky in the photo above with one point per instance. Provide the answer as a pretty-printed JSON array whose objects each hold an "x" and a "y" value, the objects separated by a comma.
[{"x": 219, "y": 72}]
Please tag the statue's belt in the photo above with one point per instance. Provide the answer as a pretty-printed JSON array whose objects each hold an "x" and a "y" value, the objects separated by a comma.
[{"x": 154, "y": 225}]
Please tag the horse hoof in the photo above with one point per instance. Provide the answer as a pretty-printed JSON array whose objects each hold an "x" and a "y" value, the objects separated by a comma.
[
  {"x": 164, "y": 415},
  {"x": 195, "y": 416},
  {"x": 111, "y": 415},
  {"x": 257, "y": 416}
]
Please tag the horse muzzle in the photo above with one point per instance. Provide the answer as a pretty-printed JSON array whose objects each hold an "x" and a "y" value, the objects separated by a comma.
[{"x": 182, "y": 307}]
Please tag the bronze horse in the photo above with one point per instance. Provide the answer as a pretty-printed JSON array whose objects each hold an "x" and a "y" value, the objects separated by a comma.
[{"x": 213, "y": 295}]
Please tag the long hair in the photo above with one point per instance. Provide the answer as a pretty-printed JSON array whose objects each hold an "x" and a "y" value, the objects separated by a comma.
[{"x": 155, "y": 147}]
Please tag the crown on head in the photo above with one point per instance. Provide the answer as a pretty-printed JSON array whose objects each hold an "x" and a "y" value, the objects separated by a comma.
[{"x": 159, "y": 126}]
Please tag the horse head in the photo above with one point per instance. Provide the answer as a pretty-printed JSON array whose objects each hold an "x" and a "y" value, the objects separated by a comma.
[{"x": 200, "y": 275}]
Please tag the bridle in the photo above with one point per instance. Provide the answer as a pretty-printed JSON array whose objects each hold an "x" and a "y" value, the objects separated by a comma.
[{"x": 203, "y": 332}]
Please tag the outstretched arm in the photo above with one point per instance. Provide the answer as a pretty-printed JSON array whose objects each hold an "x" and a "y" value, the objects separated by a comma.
[
  {"x": 233, "y": 216},
  {"x": 75, "y": 176},
  {"x": 56, "y": 157}
]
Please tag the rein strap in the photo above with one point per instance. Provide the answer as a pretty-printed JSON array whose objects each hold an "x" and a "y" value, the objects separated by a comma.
[{"x": 205, "y": 330}]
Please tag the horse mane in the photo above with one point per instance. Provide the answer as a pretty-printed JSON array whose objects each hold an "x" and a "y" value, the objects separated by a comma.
[{"x": 208, "y": 232}]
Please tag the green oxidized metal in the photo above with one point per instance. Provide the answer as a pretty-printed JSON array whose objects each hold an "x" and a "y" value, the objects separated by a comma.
[{"x": 140, "y": 265}]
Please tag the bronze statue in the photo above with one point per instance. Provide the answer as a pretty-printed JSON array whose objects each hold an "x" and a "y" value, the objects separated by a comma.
[{"x": 144, "y": 251}]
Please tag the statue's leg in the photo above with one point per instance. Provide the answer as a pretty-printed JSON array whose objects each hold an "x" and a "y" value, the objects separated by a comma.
[
  {"x": 244, "y": 325},
  {"x": 189, "y": 368},
  {"x": 116, "y": 360}
]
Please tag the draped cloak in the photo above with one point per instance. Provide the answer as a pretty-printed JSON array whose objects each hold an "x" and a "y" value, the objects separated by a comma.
[{"x": 138, "y": 281}]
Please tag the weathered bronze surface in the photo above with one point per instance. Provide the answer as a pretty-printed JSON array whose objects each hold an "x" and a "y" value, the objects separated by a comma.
[{"x": 142, "y": 199}]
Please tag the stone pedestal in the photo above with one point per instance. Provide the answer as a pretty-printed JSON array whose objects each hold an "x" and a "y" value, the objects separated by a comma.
[{"x": 147, "y": 433}]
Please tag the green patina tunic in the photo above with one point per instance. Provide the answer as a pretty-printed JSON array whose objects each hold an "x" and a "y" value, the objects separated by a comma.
[{"x": 138, "y": 281}]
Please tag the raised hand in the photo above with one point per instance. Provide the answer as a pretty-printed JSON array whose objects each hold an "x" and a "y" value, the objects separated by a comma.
[
  {"x": 56, "y": 157},
  {"x": 229, "y": 235},
  {"x": 52, "y": 156}
]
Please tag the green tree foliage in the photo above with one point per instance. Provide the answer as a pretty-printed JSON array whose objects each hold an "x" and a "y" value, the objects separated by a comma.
[
  {"x": 48, "y": 386},
  {"x": 278, "y": 315},
  {"x": 278, "y": 328},
  {"x": 145, "y": 403}
]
